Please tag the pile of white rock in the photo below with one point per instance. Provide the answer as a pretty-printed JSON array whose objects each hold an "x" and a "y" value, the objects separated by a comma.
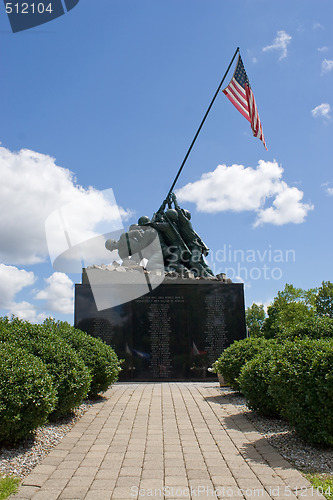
[{"x": 135, "y": 269}]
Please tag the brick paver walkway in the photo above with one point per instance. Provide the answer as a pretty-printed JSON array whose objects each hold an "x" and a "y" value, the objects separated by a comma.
[{"x": 164, "y": 440}]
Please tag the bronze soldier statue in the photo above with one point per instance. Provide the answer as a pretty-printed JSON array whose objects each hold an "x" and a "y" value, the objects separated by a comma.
[
  {"x": 172, "y": 243},
  {"x": 195, "y": 244},
  {"x": 182, "y": 248},
  {"x": 137, "y": 243}
]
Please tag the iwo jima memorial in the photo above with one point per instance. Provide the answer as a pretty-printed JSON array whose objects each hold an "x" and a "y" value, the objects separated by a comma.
[{"x": 159, "y": 304}]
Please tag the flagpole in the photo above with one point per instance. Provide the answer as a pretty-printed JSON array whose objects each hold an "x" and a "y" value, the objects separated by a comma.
[{"x": 201, "y": 124}]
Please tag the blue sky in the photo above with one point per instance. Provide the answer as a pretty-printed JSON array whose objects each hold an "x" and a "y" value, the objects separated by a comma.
[{"x": 111, "y": 94}]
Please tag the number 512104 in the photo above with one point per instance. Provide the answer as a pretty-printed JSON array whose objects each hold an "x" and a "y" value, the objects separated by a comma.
[{"x": 28, "y": 8}]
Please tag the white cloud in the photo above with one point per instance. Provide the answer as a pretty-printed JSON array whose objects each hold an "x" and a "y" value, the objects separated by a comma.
[
  {"x": 317, "y": 25},
  {"x": 26, "y": 311},
  {"x": 32, "y": 187},
  {"x": 238, "y": 188},
  {"x": 281, "y": 42},
  {"x": 322, "y": 49},
  {"x": 328, "y": 189},
  {"x": 58, "y": 294},
  {"x": 321, "y": 111},
  {"x": 326, "y": 65},
  {"x": 286, "y": 207},
  {"x": 12, "y": 281},
  {"x": 266, "y": 304}
]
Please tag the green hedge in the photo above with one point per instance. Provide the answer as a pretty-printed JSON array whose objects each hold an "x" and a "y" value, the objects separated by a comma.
[
  {"x": 27, "y": 394},
  {"x": 46, "y": 371},
  {"x": 254, "y": 380},
  {"x": 231, "y": 361},
  {"x": 301, "y": 382},
  {"x": 293, "y": 379},
  {"x": 70, "y": 375},
  {"x": 100, "y": 358}
]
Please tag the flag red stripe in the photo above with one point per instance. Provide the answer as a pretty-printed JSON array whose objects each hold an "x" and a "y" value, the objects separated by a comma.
[
  {"x": 238, "y": 99},
  {"x": 254, "y": 115},
  {"x": 241, "y": 96},
  {"x": 235, "y": 102},
  {"x": 240, "y": 90}
]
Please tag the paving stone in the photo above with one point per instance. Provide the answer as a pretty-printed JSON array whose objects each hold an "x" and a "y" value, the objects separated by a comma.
[
  {"x": 73, "y": 493},
  {"x": 195, "y": 482},
  {"x": 175, "y": 471},
  {"x": 74, "y": 457},
  {"x": 78, "y": 481},
  {"x": 130, "y": 471},
  {"x": 62, "y": 474},
  {"x": 47, "y": 495},
  {"x": 91, "y": 462},
  {"x": 34, "y": 479},
  {"x": 197, "y": 474},
  {"x": 107, "y": 473},
  {"x": 52, "y": 460},
  {"x": 133, "y": 454},
  {"x": 151, "y": 484},
  {"x": 131, "y": 462},
  {"x": 44, "y": 469},
  {"x": 223, "y": 480},
  {"x": 69, "y": 465},
  {"x": 56, "y": 452},
  {"x": 103, "y": 484},
  {"x": 310, "y": 493},
  {"x": 128, "y": 481},
  {"x": 121, "y": 492},
  {"x": 141, "y": 436},
  {"x": 242, "y": 472},
  {"x": 86, "y": 471},
  {"x": 176, "y": 481},
  {"x": 27, "y": 492},
  {"x": 55, "y": 484},
  {"x": 65, "y": 446},
  {"x": 99, "y": 495},
  {"x": 249, "y": 484},
  {"x": 152, "y": 474},
  {"x": 151, "y": 465}
]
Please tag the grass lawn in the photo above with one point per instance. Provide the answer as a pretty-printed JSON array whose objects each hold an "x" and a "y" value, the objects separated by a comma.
[
  {"x": 324, "y": 483},
  {"x": 8, "y": 486}
]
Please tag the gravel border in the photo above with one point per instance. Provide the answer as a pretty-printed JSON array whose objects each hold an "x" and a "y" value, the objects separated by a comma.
[
  {"x": 304, "y": 456},
  {"x": 21, "y": 459}
]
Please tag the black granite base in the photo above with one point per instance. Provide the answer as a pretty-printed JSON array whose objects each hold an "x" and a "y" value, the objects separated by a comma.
[{"x": 174, "y": 332}]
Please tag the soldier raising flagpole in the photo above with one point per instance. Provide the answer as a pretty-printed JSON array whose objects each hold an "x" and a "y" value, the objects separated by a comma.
[{"x": 182, "y": 248}]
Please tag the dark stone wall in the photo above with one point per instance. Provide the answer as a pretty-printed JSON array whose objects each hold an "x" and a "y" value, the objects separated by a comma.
[{"x": 174, "y": 332}]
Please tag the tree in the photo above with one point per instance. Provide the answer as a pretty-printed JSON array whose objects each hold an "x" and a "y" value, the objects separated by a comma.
[
  {"x": 255, "y": 317},
  {"x": 324, "y": 299},
  {"x": 290, "y": 307}
]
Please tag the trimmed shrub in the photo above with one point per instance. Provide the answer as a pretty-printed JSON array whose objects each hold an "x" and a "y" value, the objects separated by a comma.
[
  {"x": 301, "y": 382},
  {"x": 255, "y": 378},
  {"x": 27, "y": 394},
  {"x": 70, "y": 376},
  {"x": 231, "y": 361},
  {"x": 100, "y": 358}
]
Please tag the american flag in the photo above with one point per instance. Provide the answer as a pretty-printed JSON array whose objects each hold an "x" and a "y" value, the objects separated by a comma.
[{"x": 240, "y": 94}]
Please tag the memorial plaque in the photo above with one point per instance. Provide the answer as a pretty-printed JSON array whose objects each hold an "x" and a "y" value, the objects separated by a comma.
[{"x": 175, "y": 332}]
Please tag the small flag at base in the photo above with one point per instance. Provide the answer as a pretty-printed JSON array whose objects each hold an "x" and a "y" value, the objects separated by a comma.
[
  {"x": 196, "y": 352},
  {"x": 241, "y": 96}
]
